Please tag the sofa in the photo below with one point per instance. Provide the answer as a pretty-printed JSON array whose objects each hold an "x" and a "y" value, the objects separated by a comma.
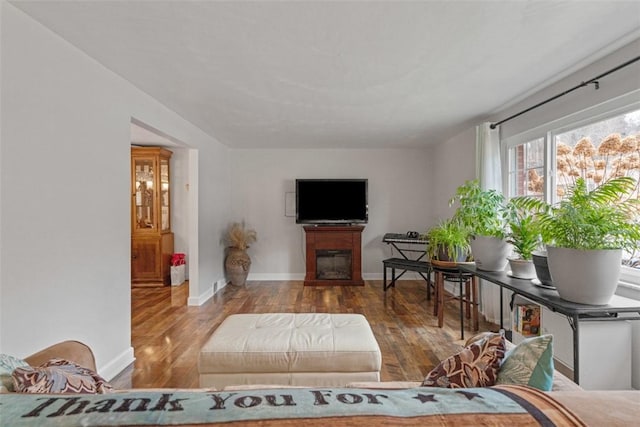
[{"x": 369, "y": 403}]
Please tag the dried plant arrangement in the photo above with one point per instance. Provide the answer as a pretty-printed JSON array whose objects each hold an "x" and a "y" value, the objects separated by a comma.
[
  {"x": 614, "y": 157},
  {"x": 240, "y": 237}
]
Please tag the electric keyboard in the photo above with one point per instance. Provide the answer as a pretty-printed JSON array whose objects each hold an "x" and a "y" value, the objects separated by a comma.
[{"x": 402, "y": 238}]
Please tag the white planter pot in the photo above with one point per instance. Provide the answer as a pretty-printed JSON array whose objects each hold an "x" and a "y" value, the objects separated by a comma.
[
  {"x": 490, "y": 253},
  {"x": 585, "y": 276},
  {"x": 522, "y": 268}
]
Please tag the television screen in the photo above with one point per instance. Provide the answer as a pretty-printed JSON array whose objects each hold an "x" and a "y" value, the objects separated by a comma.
[{"x": 331, "y": 201}]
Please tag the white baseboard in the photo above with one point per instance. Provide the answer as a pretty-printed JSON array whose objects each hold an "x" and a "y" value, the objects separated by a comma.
[
  {"x": 275, "y": 276},
  {"x": 117, "y": 365},
  {"x": 202, "y": 298},
  {"x": 221, "y": 283}
]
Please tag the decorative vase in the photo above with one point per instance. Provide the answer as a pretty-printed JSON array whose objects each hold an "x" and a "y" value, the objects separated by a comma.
[
  {"x": 542, "y": 267},
  {"x": 522, "y": 268},
  {"x": 490, "y": 253},
  {"x": 585, "y": 276},
  {"x": 237, "y": 265}
]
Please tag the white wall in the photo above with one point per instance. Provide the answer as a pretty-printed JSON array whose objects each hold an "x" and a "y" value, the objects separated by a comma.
[
  {"x": 454, "y": 163},
  {"x": 64, "y": 187},
  {"x": 399, "y": 200}
]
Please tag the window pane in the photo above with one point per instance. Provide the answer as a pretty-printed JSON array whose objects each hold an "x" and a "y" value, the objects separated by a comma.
[
  {"x": 598, "y": 152},
  {"x": 526, "y": 169}
]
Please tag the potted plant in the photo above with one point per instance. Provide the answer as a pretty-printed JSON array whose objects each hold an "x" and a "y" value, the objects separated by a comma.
[
  {"x": 543, "y": 276},
  {"x": 524, "y": 235},
  {"x": 448, "y": 241},
  {"x": 483, "y": 214},
  {"x": 586, "y": 233},
  {"x": 238, "y": 262}
]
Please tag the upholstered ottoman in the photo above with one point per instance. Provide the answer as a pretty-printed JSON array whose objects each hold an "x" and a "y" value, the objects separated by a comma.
[{"x": 307, "y": 349}]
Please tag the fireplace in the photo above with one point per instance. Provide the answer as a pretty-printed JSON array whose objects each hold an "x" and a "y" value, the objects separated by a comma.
[
  {"x": 333, "y": 264},
  {"x": 334, "y": 255}
]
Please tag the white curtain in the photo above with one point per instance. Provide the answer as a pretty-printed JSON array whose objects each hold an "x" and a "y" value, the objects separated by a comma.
[{"x": 488, "y": 171}]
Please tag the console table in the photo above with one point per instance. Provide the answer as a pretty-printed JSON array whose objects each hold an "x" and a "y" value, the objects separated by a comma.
[{"x": 575, "y": 313}]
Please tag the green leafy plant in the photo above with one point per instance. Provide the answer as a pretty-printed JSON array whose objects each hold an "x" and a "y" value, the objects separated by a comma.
[
  {"x": 524, "y": 231},
  {"x": 481, "y": 212},
  {"x": 449, "y": 237},
  {"x": 602, "y": 218}
]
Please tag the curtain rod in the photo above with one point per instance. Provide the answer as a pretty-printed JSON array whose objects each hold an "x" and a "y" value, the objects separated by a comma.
[{"x": 594, "y": 81}]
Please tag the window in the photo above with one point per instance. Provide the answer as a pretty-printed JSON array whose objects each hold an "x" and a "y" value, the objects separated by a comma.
[
  {"x": 526, "y": 169},
  {"x": 547, "y": 161}
]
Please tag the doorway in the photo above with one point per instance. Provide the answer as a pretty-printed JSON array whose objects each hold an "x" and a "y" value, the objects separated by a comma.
[{"x": 181, "y": 203}]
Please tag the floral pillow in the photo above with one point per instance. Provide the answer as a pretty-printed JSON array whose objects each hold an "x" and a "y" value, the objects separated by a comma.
[
  {"x": 476, "y": 365},
  {"x": 59, "y": 376},
  {"x": 7, "y": 365}
]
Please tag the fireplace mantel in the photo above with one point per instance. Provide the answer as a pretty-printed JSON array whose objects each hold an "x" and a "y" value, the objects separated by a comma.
[{"x": 334, "y": 238}]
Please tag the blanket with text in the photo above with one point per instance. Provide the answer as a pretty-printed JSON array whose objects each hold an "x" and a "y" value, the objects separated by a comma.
[{"x": 499, "y": 405}]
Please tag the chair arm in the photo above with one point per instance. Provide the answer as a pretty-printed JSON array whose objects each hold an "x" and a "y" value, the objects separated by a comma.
[{"x": 73, "y": 351}]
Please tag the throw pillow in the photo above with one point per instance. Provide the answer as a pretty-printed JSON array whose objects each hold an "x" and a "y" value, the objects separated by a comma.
[
  {"x": 479, "y": 336},
  {"x": 529, "y": 363},
  {"x": 7, "y": 365},
  {"x": 476, "y": 365},
  {"x": 59, "y": 376}
]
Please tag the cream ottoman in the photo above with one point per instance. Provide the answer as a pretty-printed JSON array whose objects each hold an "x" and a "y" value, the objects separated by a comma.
[{"x": 306, "y": 349}]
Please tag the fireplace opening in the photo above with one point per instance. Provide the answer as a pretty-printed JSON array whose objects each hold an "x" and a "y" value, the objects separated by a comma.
[{"x": 333, "y": 264}]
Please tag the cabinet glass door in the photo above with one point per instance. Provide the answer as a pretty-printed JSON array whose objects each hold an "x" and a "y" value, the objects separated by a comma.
[
  {"x": 164, "y": 195},
  {"x": 144, "y": 209}
]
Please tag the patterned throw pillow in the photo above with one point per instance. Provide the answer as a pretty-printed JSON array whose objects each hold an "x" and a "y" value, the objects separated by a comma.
[
  {"x": 7, "y": 365},
  {"x": 529, "y": 363},
  {"x": 59, "y": 376},
  {"x": 476, "y": 365}
]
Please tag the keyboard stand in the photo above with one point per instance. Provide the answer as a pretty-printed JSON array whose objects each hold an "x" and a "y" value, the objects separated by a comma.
[{"x": 395, "y": 239}]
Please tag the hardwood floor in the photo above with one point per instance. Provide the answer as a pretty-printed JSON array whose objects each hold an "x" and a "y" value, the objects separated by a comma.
[{"x": 167, "y": 334}]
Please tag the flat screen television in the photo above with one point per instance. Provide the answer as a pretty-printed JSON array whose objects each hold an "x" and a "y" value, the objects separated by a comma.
[{"x": 332, "y": 201}]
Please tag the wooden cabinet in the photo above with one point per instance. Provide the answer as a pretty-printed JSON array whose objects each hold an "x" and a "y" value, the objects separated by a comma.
[
  {"x": 151, "y": 236},
  {"x": 334, "y": 255}
]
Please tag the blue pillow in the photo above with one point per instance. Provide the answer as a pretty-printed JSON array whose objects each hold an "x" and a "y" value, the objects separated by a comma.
[{"x": 529, "y": 363}]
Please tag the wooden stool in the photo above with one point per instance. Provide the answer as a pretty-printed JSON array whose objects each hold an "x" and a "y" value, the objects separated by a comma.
[{"x": 468, "y": 296}]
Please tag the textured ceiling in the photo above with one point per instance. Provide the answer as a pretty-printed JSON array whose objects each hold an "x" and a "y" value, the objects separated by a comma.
[{"x": 277, "y": 74}]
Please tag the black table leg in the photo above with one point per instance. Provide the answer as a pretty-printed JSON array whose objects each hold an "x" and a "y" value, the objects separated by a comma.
[
  {"x": 384, "y": 278},
  {"x": 576, "y": 348},
  {"x": 461, "y": 282},
  {"x": 501, "y": 304}
]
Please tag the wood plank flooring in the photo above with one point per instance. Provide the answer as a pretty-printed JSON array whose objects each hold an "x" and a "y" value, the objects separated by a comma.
[{"x": 167, "y": 334}]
